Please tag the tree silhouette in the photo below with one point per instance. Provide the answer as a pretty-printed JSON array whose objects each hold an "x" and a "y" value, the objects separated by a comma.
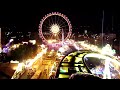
[{"x": 24, "y": 52}]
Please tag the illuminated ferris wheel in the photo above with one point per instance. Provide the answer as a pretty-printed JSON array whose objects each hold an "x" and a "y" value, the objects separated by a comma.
[{"x": 55, "y": 28}]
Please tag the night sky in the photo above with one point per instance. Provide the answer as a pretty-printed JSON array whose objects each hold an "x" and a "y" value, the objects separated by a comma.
[{"x": 27, "y": 18}]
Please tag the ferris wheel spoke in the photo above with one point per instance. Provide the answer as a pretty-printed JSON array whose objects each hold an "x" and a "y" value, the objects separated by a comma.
[
  {"x": 60, "y": 37},
  {"x": 49, "y": 23},
  {"x": 46, "y": 34},
  {"x": 46, "y": 26},
  {"x": 59, "y": 34},
  {"x": 64, "y": 26},
  {"x": 60, "y": 21},
  {"x": 55, "y": 19},
  {"x": 65, "y": 30},
  {"x": 46, "y": 22},
  {"x": 52, "y": 22},
  {"x": 63, "y": 23}
]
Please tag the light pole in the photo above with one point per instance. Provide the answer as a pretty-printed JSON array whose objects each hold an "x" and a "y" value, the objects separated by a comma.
[
  {"x": 0, "y": 42},
  {"x": 102, "y": 27}
]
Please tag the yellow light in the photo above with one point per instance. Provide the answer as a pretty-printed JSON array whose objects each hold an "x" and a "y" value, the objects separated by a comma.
[
  {"x": 42, "y": 46},
  {"x": 29, "y": 62},
  {"x": 61, "y": 50},
  {"x": 25, "y": 42},
  {"x": 14, "y": 61},
  {"x": 20, "y": 66},
  {"x": 52, "y": 50},
  {"x": 107, "y": 50},
  {"x": 14, "y": 46},
  {"x": 49, "y": 41},
  {"x": 32, "y": 41},
  {"x": 14, "y": 67},
  {"x": 0, "y": 49},
  {"x": 55, "y": 28},
  {"x": 58, "y": 54}
]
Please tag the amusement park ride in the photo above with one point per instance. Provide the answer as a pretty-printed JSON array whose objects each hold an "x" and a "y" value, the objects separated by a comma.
[
  {"x": 59, "y": 28},
  {"x": 55, "y": 30}
]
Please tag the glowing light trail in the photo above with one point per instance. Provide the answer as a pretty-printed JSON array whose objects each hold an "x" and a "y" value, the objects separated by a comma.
[{"x": 30, "y": 63}]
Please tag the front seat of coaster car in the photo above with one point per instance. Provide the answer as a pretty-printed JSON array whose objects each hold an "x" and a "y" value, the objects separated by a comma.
[{"x": 83, "y": 76}]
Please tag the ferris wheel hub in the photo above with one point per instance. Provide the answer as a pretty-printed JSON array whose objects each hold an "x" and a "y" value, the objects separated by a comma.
[{"x": 55, "y": 28}]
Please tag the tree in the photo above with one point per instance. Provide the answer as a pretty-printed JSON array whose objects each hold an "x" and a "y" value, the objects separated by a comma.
[{"x": 24, "y": 52}]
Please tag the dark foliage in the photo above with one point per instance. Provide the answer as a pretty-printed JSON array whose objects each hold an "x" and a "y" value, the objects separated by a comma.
[{"x": 24, "y": 52}]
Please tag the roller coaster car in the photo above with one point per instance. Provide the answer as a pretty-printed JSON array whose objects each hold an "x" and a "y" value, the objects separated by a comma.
[
  {"x": 71, "y": 70},
  {"x": 83, "y": 76}
]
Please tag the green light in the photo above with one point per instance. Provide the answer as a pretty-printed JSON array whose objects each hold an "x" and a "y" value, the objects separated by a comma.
[{"x": 63, "y": 69}]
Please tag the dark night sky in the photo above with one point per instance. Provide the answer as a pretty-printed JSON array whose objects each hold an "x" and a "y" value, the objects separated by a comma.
[{"x": 28, "y": 17}]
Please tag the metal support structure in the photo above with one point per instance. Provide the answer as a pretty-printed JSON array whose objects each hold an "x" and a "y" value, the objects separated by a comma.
[
  {"x": 62, "y": 37},
  {"x": 107, "y": 70},
  {"x": 102, "y": 27}
]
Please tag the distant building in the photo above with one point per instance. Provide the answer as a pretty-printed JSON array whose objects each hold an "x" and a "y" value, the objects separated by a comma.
[{"x": 18, "y": 36}]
